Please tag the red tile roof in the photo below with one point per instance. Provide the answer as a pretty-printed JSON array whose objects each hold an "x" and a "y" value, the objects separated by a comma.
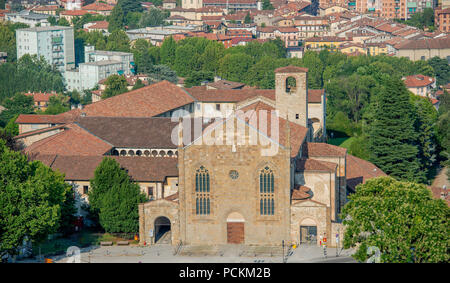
[
  {"x": 98, "y": 6},
  {"x": 418, "y": 81},
  {"x": 147, "y": 101},
  {"x": 308, "y": 164},
  {"x": 429, "y": 43},
  {"x": 72, "y": 141},
  {"x": 41, "y": 96},
  {"x": 141, "y": 169},
  {"x": 359, "y": 171},
  {"x": 318, "y": 149},
  {"x": 62, "y": 118}
]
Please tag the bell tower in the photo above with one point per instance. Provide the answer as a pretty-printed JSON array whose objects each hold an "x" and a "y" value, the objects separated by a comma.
[{"x": 291, "y": 94}]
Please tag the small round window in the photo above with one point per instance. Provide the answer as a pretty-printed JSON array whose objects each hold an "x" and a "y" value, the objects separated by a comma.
[{"x": 234, "y": 174}]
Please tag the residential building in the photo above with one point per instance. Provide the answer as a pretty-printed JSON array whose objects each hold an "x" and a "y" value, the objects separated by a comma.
[
  {"x": 420, "y": 84},
  {"x": 28, "y": 17},
  {"x": 98, "y": 8},
  {"x": 424, "y": 49},
  {"x": 55, "y": 43},
  {"x": 41, "y": 99},
  {"x": 442, "y": 19},
  {"x": 98, "y": 65}
]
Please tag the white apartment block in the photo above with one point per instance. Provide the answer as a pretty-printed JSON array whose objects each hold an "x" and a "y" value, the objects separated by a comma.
[
  {"x": 98, "y": 66},
  {"x": 55, "y": 44}
]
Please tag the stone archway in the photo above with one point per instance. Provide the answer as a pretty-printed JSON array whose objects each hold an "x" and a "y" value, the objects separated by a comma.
[
  {"x": 163, "y": 230},
  {"x": 235, "y": 228}
]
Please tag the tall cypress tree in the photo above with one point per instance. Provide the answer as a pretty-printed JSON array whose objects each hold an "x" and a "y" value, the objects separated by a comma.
[
  {"x": 392, "y": 139},
  {"x": 117, "y": 19}
]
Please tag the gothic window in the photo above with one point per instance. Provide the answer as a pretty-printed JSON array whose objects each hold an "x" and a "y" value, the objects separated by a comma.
[
  {"x": 266, "y": 192},
  {"x": 202, "y": 192}
]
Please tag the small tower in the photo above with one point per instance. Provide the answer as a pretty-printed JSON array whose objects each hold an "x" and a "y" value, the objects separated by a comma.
[{"x": 291, "y": 94}]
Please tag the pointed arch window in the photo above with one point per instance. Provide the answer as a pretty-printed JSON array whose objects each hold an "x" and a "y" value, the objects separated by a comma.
[
  {"x": 202, "y": 192},
  {"x": 266, "y": 192}
]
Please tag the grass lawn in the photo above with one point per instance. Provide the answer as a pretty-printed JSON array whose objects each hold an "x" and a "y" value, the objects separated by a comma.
[{"x": 342, "y": 142}]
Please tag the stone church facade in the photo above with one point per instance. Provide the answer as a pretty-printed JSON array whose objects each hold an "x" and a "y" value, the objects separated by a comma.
[{"x": 232, "y": 193}]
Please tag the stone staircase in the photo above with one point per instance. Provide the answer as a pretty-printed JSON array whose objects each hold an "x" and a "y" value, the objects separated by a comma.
[{"x": 165, "y": 239}]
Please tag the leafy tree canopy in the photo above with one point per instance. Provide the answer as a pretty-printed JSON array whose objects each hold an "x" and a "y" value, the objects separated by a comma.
[{"x": 401, "y": 219}]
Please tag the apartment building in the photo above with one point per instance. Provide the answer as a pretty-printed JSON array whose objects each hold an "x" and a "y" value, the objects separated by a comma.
[
  {"x": 442, "y": 19},
  {"x": 55, "y": 43},
  {"x": 98, "y": 66}
]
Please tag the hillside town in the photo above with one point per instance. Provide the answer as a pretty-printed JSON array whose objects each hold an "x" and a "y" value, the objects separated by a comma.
[{"x": 192, "y": 127}]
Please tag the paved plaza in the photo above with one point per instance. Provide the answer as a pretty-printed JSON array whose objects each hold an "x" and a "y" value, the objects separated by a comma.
[{"x": 210, "y": 254}]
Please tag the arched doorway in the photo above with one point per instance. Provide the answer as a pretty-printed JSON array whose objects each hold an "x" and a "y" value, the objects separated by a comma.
[
  {"x": 235, "y": 228},
  {"x": 308, "y": 232},
  {"x": 162, "y": 230}
]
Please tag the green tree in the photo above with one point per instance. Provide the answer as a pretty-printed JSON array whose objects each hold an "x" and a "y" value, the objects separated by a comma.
[
  {"x": 139, "y": 84},
  {"x": 18, "y": 104},
  {"x": 186, "y": 60},
  {"x": 117, "y": 19},
  {"x": 33, "y": 200},
  {"x": 234, "y": 67},
  {"x": 129, "y": 6},
  {"x": 115, "y": 198},
  {"x": 392, "y": 137},
  {"x": 167, "y": 51},
  {"x": 247, "y": 19},
  {"x": 267, "y": 5},
  {"x": 425, "y": 123},
  {"x": 118, "y": 41},
  {"x": 115, "y": 85},
  {"x": 56, "y": 105},
  {"x": 154, "y": 17},
  {"x": 8, "y": 42},
  {"x": 195, "y": 78},
  {"x": 63, "y": 22},
  {"x": 441, "y": 69},
  {"x": 163, "y": 72},
  {"x": 401, "y": 219}
]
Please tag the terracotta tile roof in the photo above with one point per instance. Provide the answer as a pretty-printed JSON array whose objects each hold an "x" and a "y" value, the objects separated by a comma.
[
  {"x": 224, "y": 84},
  {"x": 300, "y": 192},
  {"x": 40, "y": 131},
  {"x": 141, "y": 169},
  {"x": 228, "y": 95},
  {"x": 359, "y": 171},
  {"x": 147, "y": 101},
  {"x": 76, "y": 13},
  {"x": 290, "y": 69},
  {"x": 318, "y": 149},
  {"x": 308, "y": 164},
  {"x": 430, "y": 43},
  {"x": 72, "y": 141},
  {"x": 98, "y": 6},
  {"x": 99, "y": 25},
  {"x": 287, "y": 29},
  {"x": 41, "y": 96},
  {"x": 315, "y": 95},
  {"x": 418, "y": 81},
  {"x": 173, "y": 197},
  {"x": 62, "y": 118},
  {"x": 152, "y": 132},
  {"x": 326, "y": 39}
]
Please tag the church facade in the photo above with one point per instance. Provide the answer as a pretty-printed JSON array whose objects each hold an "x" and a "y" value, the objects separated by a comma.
[{"x": 234, "y": 193}]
